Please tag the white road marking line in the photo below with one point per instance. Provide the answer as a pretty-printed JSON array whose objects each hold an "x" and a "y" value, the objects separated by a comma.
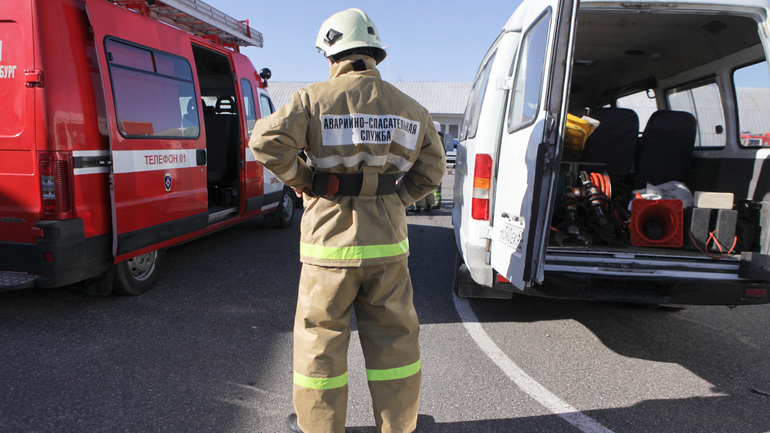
[{"x": 527, "y": 384}]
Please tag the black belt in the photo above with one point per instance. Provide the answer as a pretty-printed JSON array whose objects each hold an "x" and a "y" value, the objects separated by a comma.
[{"x": 339, "y": 184}]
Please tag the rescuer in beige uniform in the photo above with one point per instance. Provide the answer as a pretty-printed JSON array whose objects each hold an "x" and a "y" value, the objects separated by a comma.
[{"x": 374, "y": 151}]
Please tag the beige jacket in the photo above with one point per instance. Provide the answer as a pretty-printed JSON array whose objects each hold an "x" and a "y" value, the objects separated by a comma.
[{"x": 353, "y": 123}]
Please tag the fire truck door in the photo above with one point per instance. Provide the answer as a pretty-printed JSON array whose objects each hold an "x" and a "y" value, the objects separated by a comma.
[
  {"x": 262, "y": 190},
  {"x": 528, "y": 148},
  {"x": 273, "y": 186},
  {"x": 158, "y": 149}
]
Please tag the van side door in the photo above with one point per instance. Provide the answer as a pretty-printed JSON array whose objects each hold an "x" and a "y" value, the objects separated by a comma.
[
  {"x": 530, "y": 144},
  {"x": 156, "y": 142}
]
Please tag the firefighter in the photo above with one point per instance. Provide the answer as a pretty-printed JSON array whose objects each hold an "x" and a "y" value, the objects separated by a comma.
[{"x": 374, "y": 151}]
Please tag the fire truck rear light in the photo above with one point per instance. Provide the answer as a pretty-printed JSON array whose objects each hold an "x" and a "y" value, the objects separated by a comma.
[
  {"x": 755, "y": 293},
  {"x": 48, "y": 257},
  {"x": 482, "y": 185},
  {"x": 55, "y": 186}
]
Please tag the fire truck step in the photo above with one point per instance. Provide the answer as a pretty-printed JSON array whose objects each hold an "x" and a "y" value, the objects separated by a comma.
[
  {"x": 219, "y": 214},
  {"x": 15, "y": 281}
]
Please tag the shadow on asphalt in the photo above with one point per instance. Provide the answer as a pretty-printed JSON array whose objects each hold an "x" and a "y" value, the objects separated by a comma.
[{"x": 204, "y": 341}]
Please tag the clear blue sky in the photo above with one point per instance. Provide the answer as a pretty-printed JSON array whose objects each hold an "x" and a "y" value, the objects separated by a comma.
[{"x": 425, "y": 40}]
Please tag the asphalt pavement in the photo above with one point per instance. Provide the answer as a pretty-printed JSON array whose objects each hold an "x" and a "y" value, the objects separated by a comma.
[{"x": 209, "y": 350}]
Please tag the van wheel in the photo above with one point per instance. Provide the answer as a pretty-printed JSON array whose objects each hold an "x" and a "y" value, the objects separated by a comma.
[
  {"x": 284, "y": 215},
  {"x": 139, "y": 274}
]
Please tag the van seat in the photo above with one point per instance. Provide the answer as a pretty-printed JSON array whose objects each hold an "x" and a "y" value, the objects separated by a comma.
[
  {"x": 666, "y": 147},
  {"x": 217, "y": 136},
  {"x": 225, "y": 105},
  {"x": 614, "y": 141}
]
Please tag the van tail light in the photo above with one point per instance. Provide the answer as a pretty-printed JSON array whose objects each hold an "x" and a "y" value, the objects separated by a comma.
[
  {"x": 482, "y": 183},
  {"x": 55, "y": 186}
]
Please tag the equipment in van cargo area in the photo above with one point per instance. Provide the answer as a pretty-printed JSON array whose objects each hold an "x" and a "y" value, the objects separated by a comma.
[
  {"x": 711, "y": 230},
  {"x": 673, "y": 86},
  {"x": 578, "y": 130},
  {"x": 656, "y": 223},
  {"x": 713, "y": 200}
]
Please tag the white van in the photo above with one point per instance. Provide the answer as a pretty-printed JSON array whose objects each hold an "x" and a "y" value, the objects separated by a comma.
[{"x": 667, "y": 201}]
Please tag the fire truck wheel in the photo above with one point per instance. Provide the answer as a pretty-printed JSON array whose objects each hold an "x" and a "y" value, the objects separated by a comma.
[
  {"x": 284, "y": 214},
  {"x": 138, "y": 275}
]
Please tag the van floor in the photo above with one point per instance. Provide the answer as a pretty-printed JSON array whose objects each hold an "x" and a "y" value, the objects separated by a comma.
[{"x": 623, "y": 247}]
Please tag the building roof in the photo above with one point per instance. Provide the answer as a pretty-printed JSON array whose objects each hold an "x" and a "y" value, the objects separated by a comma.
[{"x": 437, "y": 97}]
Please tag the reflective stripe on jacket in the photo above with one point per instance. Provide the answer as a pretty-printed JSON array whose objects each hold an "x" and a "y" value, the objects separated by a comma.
[{"x": 353, "y": 123}]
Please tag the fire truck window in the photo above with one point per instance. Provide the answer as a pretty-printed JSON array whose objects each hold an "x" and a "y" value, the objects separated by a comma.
[
  {"x": 250, "y": 105},
  {"x": 155, "y": 102},
  {"x": 173, "y": 66},
  {"x": 266, "y": 107},
  {"x": 129, "y": 56},
  {"x": 752, "y": 89}
]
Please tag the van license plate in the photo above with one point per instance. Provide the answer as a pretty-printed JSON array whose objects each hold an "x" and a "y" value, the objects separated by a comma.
[{"x": 511, "y": 235}]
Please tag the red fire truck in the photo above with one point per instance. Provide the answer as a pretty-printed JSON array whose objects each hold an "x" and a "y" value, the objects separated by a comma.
[{"x": 121, "y": 135}]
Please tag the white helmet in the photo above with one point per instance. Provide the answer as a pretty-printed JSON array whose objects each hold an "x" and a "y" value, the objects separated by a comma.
[{"x": 347, "y": 30}]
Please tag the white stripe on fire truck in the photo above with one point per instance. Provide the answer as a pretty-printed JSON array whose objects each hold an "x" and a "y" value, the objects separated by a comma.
[
  {"x": 270, "y": 206},
  {"x": 134, "y": 161},
  {"x": 102, "y": 154}
]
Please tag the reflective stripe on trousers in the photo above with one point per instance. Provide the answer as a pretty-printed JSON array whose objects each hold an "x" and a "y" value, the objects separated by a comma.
[
  {"x": 388, "y": 329},
  {"x": 359, "y": 252},
  {"x": 371, "y": 375}
]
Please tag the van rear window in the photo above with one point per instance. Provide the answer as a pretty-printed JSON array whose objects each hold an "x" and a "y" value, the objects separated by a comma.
[
  {"x": 153, "y": 91},
  {"x": 752, "y": 92}
]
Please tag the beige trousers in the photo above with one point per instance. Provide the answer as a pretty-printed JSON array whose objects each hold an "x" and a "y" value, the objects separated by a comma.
[
  {"x": 388, "y": 329},
  {"x": 428, "y": 200}
]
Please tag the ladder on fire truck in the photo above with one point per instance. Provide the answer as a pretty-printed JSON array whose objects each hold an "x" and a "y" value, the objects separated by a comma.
[{"x": 198, "y": 18}]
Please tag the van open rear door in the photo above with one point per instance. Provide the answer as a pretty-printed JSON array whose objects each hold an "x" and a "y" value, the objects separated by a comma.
[
  {"x": 529, "y": 150},
  {"x": 157, "y": 143}
]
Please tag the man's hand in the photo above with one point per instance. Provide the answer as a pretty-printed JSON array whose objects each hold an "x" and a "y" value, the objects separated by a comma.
[{"x": 305, "y": 190}]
